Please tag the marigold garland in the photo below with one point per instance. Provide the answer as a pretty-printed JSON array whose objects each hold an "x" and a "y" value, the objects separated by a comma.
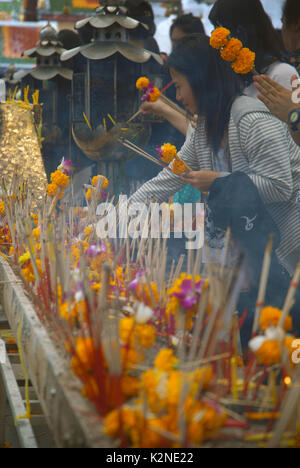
[{"x": 232, "y": 50}]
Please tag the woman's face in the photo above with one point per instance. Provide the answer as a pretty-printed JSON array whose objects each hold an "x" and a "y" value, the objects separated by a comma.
[{"x": 184, "y": 93}]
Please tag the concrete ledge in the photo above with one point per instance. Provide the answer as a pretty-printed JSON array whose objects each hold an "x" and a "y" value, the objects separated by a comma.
[{"x": 72, "y": 419}]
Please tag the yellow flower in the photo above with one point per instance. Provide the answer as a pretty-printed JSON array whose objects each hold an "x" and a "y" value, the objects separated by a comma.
[
  {"x": 28, "y": 274},
  {"x": 245, "y": 61},
  {"x": 88, "y": 231},
  {"x": 36, "y": 233},
  {"x": 129, "y": 386},
  {"x": 154, "y": 95},
  {"x": 52, "y": 189},
  {"x": 165, "y": 361},
  {"x": 168, "y": 152},
  {"x": 146, "y": 335},
  {"x": 178, "y": 167},
  {"x": 269, "y": 353},
  {"x": 270, "y": 316},
  {"x": 2, "y": 208},
  {"x": 204, "y": 376},
  {"x": 127, "y": 416},
  {"x": 231, "y": 50},
  {"x": 88, "y": 194},
  {"x": 219, "y": 38},
  {"x": 130, "y": 358},
  {"x": 83, "y": 361},
  {"x": 142, "y": 83},
  {"x": 91, "y": 388},
  {"x": 104, "y": 184},
  {"x": 60, "y": 179},
  {"x": 126, "y": 326},
  {"x": 24, "y": 258}
]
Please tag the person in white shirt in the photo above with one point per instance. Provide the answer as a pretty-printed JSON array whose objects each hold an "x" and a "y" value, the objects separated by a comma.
[{"x": 248, "y": 21}]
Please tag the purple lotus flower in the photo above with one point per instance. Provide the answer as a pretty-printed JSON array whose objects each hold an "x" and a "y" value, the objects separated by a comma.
[
  {"x": 94, "y": 250},
  {"x": 189, "y": 294},
  {"x": 134, "y": 283},
  {"x": 159, "y": 151},
  {"x": 65, "y": 166}
]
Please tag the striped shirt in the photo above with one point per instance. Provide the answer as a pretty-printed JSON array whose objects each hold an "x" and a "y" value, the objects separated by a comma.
[{"x": 261, "y": 146}]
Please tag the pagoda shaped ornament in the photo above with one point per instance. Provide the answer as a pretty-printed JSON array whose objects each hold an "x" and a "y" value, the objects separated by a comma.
[{"x": 104, "y": 95}]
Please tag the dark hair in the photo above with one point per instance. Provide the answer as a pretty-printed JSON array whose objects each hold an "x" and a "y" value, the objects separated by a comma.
[
  {"x": 188, "y": 24},
  {"x": 213, "y": 82},
  {"x": 248, "y": 21},
  {"x": 291, "y": 11},
  {"x": 142, "y": 11}
]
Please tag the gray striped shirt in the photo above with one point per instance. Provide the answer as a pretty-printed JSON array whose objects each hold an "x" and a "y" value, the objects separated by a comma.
[{"x": 260, "y": 146}]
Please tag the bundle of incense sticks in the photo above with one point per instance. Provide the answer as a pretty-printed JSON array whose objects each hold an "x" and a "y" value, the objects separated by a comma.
[{"x": 128, "y": 144}]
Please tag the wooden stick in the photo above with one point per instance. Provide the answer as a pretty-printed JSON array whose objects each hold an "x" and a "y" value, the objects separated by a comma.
[{"x": 263, "y": 283}]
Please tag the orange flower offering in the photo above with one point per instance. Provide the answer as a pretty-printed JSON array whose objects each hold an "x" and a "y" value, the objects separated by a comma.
[
  {"x": 232, "y": 50},
  {"x": 269, "y": 353},
  {"x": 219, "y": 38},
  {"x": 270, "y": 316},
  {"x": 245, "y": 62},
  {"x": 151, "y": 93}
]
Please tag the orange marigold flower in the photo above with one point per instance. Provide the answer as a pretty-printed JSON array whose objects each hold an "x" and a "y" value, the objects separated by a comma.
[
  {"x": 146, "y": 335},
  {"x": 88, "y": 230},
  {"x": 130, "y": 358},
  {"x": 82, "y": 363},
  {"x": 204, "y": 376},
  {"x": 142, "y": 83},
  {"x": 104, "y": 184},
  {"x": 129, "y": 386},
  {"x": 91, "y": 388},
  {"x": 178, "y": 167},
  {"x": 270, "y": 316},
  {"x": 36, "y": 233},
  {"x": 231, "y": 50},
  {"x": 28, "y": 274},
  {"x": 165, "y": 360},
  {"x": 245, "y": 61},
  {"x": 88, "y": 194},
  {"x": 168, "y": 152},
  {"x": 269, "y": 353},
  {"x": 2, "y": 208},
  {"x": 52, "y": 189},
  {"x": 126, "y": 328},
  {"x": 60, "y": 179},
  {"x": 154, "y": 95},
  {"x": 219, "y": 38}
]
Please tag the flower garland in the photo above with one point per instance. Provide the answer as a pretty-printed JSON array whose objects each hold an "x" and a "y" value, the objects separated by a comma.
[
  {"x": 59, "y": 179},
  {"x": 150, "y": 92},
  {"x": 97, "y": 190},
  {"x": 167, "y": 153},
  {"x": 231, "y": 49}
]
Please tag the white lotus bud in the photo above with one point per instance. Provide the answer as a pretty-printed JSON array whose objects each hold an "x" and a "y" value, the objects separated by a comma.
[
  {"x": 256, "y": 342},
  {"x": 143, "y": 313},
  {"x": 79, "y": 296}
]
